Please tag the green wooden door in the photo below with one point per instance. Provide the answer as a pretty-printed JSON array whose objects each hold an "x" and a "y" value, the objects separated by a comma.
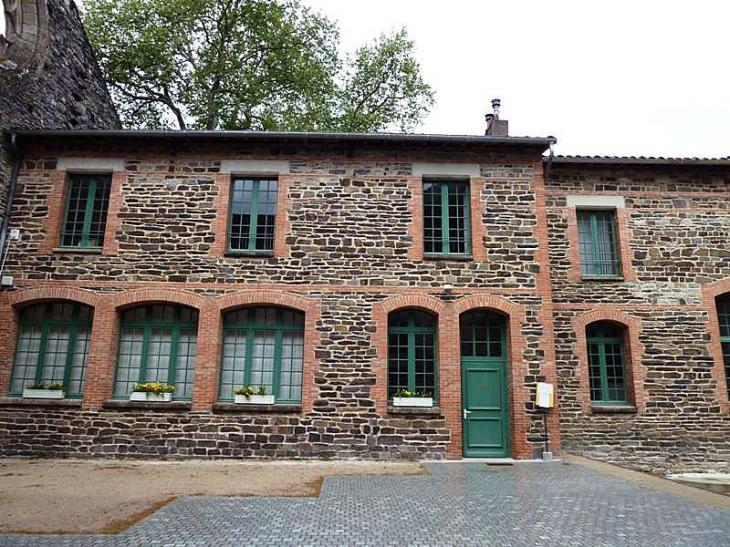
[{"x": 485, "y": 404}]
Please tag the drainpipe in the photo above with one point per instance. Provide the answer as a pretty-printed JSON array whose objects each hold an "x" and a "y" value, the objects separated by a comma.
[
  {"x": 15, "y": 152},
  {"x": 551, "y": 141}
]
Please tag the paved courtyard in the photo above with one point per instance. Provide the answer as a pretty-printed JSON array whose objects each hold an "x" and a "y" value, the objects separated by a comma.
[{"x": 461, "y": 504}]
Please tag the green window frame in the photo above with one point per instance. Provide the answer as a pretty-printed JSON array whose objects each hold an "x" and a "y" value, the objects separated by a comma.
[
  {"x": 412, "y": 352},
  {"x": 157, "y": 343},
  {"x": 263, "y": 346},
  {"x": 607, "y": 364},
  {"x": 446, "y": 218},
  {"x": 252, "y": 218},
  {"x": 85, "y": 212},
  {"x": 53, "y": 346},
  {"x": 723, "y": 315},
  {"x": 598, "y": 242}
]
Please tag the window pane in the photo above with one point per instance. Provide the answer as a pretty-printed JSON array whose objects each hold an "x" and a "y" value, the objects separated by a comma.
[
  {"x": 597, "y": 241},
  {"x": 253, "y": 214},
  {"x": 26, "y": 357},
  {"x": 412, "y": 354},
  {"x": 482, "y": 334},
  {"x": 606, "y": 362},
  {"x": 86, "y": 211},
  {"x": 432, "y": 218},
  {"x": 458, "y": 218}
]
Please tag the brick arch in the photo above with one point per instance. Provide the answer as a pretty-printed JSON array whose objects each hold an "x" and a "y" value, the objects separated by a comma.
[
  {"x": 517, "y": 371},
  {"x": 636, "y": 374},
  {"x": 46, "y": 294},
  {"x": 270, "y": 298},
  {"x": 491, "y": 301},
  {"x": 446, "y": 347},
  {"x": 710, "y": 292},
  {"x": 142, "y": 296}
]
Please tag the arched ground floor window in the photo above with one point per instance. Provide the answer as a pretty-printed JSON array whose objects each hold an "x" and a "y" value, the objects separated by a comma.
[
  {"x": 157, "y": 343},
  {"x": 53, "y": 345},
  {"x": 723, "y": 316},
  {"x": 412, "y": 352},
  {"x": 263, "y": 347},
  {"x": 607, "y": 369}
]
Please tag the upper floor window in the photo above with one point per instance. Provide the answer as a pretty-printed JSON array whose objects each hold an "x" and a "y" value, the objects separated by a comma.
[
  {"x": 263, "y": 347},
  {"x": 87, "y": 202},
  {"x": 157, "y": 343},
  {"x": 598, "y": 242},
  {"x": 723, "y": 314},
  {"x": 253, "y": 214},
  {"x": 607, "y": 363},
  {"x": 53, "y": 345},
  {"x": 446, "y": 218},
  {"x": 412, "y": 358}
]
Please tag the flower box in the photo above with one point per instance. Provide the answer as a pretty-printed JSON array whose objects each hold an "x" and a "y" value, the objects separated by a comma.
[
  {"x": 42, "y": 394},
  {"x": 255, "y": 400},
  {"x": 150, "y": 397},
  {"x": 413, "y": 401}
]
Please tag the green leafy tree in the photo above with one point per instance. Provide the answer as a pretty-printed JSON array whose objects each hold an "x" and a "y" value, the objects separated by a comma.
[{"x": 250, "y": 64}]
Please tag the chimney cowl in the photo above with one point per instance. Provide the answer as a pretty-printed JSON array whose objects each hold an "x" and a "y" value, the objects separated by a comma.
[{"x": 495, "y": 126}]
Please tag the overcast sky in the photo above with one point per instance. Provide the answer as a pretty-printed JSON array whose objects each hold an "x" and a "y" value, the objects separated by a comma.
[
  {"x": 639, "y": 77},
  {"x": 618, "y": 77}
]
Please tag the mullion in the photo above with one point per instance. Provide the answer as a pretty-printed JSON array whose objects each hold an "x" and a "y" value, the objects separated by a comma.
[
  {"x": 88, "y": 212},
  {"x": 445, "y": 236},
  {"x": 70, "y": 354},
  {"x": 253, "y": 220},
  {"x": 276, "y": 379},
  {"x": 411, "y": 356},
  {"x": 40, "y": 365}
]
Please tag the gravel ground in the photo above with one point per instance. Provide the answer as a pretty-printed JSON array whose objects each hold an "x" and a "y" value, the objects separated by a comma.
[{"x": 106, "y": 496}]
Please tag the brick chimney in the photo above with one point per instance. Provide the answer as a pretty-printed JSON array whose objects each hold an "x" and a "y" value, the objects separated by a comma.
[{"x": 495, "y": 126}]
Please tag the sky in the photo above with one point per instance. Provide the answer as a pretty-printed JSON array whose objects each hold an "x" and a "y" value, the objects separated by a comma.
[{"x": 639, "y": 77}]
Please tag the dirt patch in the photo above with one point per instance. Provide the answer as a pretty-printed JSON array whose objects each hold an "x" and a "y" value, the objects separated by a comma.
[{"x": 107, "y": 496}]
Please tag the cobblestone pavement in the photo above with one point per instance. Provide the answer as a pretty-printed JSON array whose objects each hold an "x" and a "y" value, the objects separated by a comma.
[{"x": 460, "y": 504}]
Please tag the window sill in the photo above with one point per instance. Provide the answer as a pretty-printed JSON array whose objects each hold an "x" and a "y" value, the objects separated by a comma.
[
  {"x": 77, "y": 250},
  {"x": 257, "y": 409},
  {"x": 599, "y": 278},
  {"x": 448, "y": 257},
  {"x": 613, "y": 409},
  {"x": 251, "y": 254},
  {"x": 119, "y": 404},
  {"x": 432, "y": 411},
  {"x": 19, "y": 401}
]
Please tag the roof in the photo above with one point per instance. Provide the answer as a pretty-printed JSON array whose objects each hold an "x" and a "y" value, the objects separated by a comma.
[
  {"x": 639, "y": 160},
  {"x": 301, "y": 137}
]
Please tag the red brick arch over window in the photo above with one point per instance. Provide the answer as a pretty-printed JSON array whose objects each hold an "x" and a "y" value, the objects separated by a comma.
[
  {"x": 128, "y": 299},
  {"x": 446, "y": 334},
  {"x": 9, "y": 318},
  {"x": 210, "y": 332},
  {"x": 710, "y": 292},
  {"x": 633, "y": 349},
  {"x": 519, "y": 393}
]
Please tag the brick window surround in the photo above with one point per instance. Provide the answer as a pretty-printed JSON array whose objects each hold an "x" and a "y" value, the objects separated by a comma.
[
  {"x": 56, "y": 202},
  {"x": 710, "y": 293},
  {"x": 623, "y": 234},
  {"x": 476, "y": 221},
  {"x": 222, "y": 206},
  {"x": 102, "y": 356},
  {"x": 449, "y": 362},
  {"x": 633, "y": 353}
]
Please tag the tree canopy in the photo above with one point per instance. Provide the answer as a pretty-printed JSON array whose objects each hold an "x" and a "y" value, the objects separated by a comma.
[{"x": 251, "y": 64}]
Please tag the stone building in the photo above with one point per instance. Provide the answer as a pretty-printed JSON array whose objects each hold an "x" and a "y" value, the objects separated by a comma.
[{"x": 337, "y": 269}]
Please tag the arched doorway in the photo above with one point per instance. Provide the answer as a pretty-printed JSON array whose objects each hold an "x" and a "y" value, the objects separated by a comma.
[{"x": 484, "y": 393}]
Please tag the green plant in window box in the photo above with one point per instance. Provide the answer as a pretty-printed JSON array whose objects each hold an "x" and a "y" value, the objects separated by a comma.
[
  {"x": 152, "y": 392},
  {"x": 250, "y": 395},
  {"x": 38, "y": 390},
  {"x": 405, "y": 397}
]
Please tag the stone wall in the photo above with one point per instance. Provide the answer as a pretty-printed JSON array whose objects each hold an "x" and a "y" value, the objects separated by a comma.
[
  {"x": 346, "y": 254},
  {"x": 676, "y": 233},
  {"x": 49, "y": 77}
]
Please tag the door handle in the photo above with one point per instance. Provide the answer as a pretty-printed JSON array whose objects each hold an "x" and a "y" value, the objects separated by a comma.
[{"x": 466, "y": 412}]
